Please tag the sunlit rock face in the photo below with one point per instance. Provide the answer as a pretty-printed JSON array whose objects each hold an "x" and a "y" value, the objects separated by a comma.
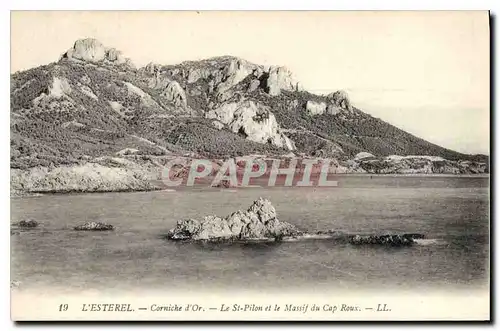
[{"x": 92, "y": 50}]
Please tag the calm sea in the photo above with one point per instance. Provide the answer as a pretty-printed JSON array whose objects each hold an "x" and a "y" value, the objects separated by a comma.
[{"x": 452, "y": 210}]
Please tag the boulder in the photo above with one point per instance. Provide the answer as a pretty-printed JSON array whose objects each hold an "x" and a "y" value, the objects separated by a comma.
[
  {"x": 258, "y": 222},
  {"x": 15, "y": 284},
  {"x": 152, "y": 68},
  {"x": 28, "y": 224},
  {"x": 236, "y": 71},
  {"x": 254, "y": 84},
  {"x": 218, "y": 125},
  {"x": 94, "y": 226}
]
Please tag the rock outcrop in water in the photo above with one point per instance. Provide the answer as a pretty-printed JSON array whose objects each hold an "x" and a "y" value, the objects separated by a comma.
[
  {"x": 94, "y": 226},
  {"x": 259, "y": 222},
  {"x": 27, "y": 224}
]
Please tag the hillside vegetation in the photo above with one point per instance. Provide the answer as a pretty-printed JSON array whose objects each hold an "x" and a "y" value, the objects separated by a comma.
[{"x": 93, "y": 102}]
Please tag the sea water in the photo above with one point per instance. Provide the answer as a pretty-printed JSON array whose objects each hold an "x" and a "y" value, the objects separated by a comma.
[{"x": 451, "y": 211}]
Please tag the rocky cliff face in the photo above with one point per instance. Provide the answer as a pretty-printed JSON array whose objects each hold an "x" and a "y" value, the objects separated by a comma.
[
  {"x": 255, "y": 121},
  {"x": 418, "y": 164},
  {"x": 92, "y": 50},
  {"x": 93, "y": 102}
]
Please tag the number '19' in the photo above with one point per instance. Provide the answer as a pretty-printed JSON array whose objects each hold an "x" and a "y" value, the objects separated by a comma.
[{"x": 63, "y": 307}]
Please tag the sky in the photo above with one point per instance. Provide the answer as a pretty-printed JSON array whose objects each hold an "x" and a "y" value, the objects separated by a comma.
[{"x": 427, "y": 73}]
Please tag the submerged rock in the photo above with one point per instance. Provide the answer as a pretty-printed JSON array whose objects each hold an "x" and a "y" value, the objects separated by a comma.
[
  {"x": 27, "y": 224},
  {"x": 259, "y": 222},
  {"x": 94, "y": 226},
  {"x": 388, "y": 240}
]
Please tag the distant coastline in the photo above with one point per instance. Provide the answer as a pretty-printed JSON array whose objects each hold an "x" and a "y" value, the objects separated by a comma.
[{"x": 157, "y": 186}]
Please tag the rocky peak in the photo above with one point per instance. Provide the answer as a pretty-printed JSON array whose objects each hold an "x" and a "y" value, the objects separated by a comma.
[
  {"x": 263, "y": 208},
  {"x": 92, "y": 50},
  {"x": 254, "y": 120}
]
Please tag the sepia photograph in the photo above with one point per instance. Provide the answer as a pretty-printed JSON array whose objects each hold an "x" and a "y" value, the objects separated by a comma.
[{"x": 250, "y": 165}]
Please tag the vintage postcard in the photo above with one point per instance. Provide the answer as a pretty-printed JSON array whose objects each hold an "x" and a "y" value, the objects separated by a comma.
[{"x": 250, "y": 165}]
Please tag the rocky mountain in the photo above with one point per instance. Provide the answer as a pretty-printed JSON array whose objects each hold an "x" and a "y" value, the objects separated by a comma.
[{"x": 93, "y": 108}]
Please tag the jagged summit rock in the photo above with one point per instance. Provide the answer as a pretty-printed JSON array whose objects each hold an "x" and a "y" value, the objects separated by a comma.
[
  {"x": 170, "y": 90},
  {"x": 92, "y": 50},
  {"x": 94, "y": 226}
]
